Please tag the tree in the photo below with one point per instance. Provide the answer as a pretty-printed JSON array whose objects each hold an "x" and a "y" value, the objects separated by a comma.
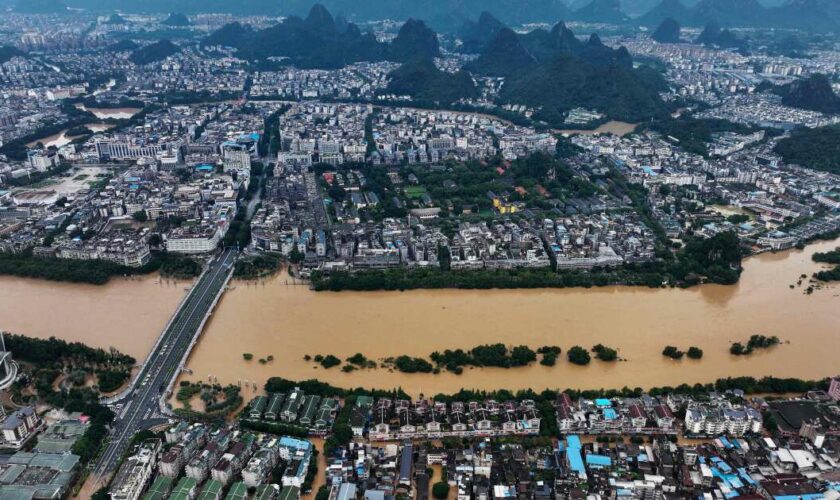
[
  {"x": 738, "y": 349},
  {"x": 522, "y": 356},
  {"x": 342, "y": 433},
  {"x": 337, "y": 193},
  {"x": 329, "y": 361},
  {"x": 672, "y": 352},
  {"x": 695, "y": 352},
  {"x": 140, "y": 216},
  {"x": 605, "y": 353},
  {"x": 578, "y": 355},
  {"x": 440, "y": 490},
  {"x": 323, "y": 493},
  {"x": 295, "y": 257}
]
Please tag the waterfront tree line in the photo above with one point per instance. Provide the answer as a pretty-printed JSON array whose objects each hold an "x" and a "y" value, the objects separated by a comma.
[
  {"x": 750, "y": 385},
  {"x": 94, "y": 272},
  {"x": 831, "y": 257}
]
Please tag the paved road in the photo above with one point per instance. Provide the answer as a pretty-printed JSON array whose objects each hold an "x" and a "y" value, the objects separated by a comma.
[{"x": 140, "y": 408}]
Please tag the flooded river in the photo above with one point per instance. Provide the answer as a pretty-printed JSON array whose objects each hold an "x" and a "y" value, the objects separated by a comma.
[
  {"x": 288, "y": 322},
  {"x": 115, "y": 113},
  {"x": 125, "y": 314},
  {"x": 62, "y": 139}
]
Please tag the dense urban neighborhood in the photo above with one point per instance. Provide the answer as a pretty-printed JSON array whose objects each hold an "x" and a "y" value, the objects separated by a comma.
[{"x": 387, "y": 146}]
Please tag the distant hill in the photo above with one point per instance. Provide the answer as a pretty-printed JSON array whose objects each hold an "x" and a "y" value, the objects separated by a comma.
[
  {"x": 115, "y": 19},
  {"x": 815, "y": 148},
  {"x": 813, "y": 93},
  {"x": 424, "y": 82},
  {"x": 40, "y": 7},
  {"x": 155, "y": 52},
  {"x": 566, "y": 83},
  {"x": 414, "y": 40},
  {"x": 477, "y": 34},
  {"x": 713, "y": 35},
  {"x": 667, "y": 9},
  {"x": 667, "y": 32},
  {"x": 314, "y": 42},
  {"x": 816, "y": 15},
  {"x": 509, "y": 52},
  {"x": 7, "y": 52},
  {"x": 503, "y": 56},
  {"x": 601, "y": 11},
  {"x": 554, "y": 71},
  {"x": 230, "y": 35},
  {"x": 730, "y": 12},
  {"x": 176, "y": 19},
  {"x": 318, "y": 41},
  {"x": 450, "y": 15},
  {"x": 812, "y": 15},
  {"x": 509, "y": 11}
]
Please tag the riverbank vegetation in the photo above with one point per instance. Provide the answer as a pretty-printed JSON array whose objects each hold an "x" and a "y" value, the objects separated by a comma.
[
  {"x": 260, "y": 266},
  {"x": 56, "y": 372},
  {"x": 94, "y": 272},
  {"x": 750, "y": 385},
  {"x": 831, "y": 257},
  {"x": 71, "y": 365},
  {"x": 755, "y": 342}
]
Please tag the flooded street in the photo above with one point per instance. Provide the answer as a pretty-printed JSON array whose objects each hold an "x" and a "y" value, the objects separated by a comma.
[
  {"x": 125, "y": 314},
  {"x": 288, "y": 322}
]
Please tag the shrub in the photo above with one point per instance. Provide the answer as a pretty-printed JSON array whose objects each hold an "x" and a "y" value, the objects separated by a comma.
[
  {"x": 605, "y": 353},
  {"x": 578, "y": 355},
  {"x": 672, "y": 352},
  {"x": 329, "y": 361}
]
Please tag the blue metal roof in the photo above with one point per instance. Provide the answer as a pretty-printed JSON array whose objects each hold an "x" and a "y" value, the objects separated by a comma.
[
  {"x": 575, "y": 460},
  {"x": 598, "y": 460},
  {"x": 746, "y": 477}
]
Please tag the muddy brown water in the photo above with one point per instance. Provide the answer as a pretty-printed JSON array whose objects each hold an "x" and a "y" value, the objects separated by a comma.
[
  {"x": 127, "y": 314},
  {"x": 288, "y": 322}
]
